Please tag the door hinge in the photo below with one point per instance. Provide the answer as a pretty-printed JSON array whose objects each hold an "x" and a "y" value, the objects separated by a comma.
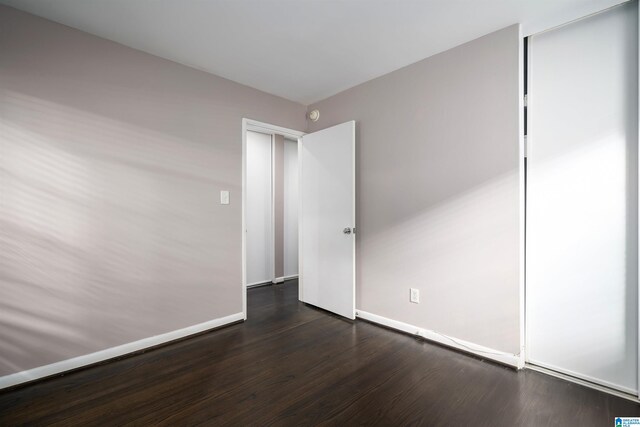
[
  {"x": 526, "y": 146},
  {"x": 526, "y": 100}
]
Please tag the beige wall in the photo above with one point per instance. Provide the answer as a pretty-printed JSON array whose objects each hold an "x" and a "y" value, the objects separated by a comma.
[
  {"x": 111, "y": 163},
  {"x": 438, "y": 198}
]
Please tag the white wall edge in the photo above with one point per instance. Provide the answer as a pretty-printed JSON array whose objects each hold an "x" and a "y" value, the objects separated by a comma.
[
  {"x": 509, "y": 359},
  {"x": 110, "y": 353}
]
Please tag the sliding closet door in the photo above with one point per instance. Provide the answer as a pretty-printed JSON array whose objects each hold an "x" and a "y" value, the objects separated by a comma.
[
  {"x": 259, "y": 210},
  {"x": 582, "y": 246}
]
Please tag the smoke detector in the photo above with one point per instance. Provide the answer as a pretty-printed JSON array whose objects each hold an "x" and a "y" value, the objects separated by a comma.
[{"x": 314, "y": 115}]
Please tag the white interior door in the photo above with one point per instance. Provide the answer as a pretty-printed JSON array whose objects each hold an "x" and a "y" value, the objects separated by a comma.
[
  {"x": 327, "y": 219},
  {"x": 582, "y": 196}
]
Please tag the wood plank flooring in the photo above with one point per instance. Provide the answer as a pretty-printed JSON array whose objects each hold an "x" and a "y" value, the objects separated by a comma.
[{"x": 290, "y": 364}]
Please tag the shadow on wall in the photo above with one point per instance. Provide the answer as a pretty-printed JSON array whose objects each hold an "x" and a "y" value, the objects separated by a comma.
[
  {"x": 454, "y": 251},
  {"x": 109, "y": 233}
]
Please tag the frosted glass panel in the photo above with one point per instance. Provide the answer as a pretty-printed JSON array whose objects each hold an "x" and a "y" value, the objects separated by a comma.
[{"x": 582, "y": 248}]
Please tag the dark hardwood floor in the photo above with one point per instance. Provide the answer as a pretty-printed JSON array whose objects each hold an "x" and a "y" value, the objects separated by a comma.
[{"x": 291, "y": 364}]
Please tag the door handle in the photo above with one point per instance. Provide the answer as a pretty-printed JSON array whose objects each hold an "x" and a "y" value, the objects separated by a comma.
[{"x": 347, "y": 230}]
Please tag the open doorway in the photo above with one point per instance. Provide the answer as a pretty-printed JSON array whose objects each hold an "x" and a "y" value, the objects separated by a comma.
[
  {"x": 270, "y": 205},
  {"x": 300, "y": 188}
]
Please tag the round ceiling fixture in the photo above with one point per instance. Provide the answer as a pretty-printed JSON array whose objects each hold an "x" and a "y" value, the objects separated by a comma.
[{"x": 314, "y": 115}]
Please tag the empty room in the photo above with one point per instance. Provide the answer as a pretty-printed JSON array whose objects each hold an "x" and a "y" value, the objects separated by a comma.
[{"x": 319, "y": 212}]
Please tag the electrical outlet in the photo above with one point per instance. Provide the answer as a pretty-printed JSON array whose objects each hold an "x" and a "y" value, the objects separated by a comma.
[{"x": 415, "y": 295}]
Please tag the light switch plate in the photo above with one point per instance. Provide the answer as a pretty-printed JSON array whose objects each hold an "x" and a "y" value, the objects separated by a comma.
[
  {"x": 224, "y": 197},
  {"x": 414, "y": 295}
]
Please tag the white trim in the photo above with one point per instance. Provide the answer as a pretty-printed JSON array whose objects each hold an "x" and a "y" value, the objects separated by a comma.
[
  {"x": 300, "y": 246},
  {"x": 258, "y": 283},
  {"x": 479, "y": 350},
  {"x": 243, "y": 231},
  {"x": 556, "y": 374},
  {"x": 272, "y": 232},
  {"x": 269, "y": 129},
  {"x": 283, "y": 278},
  {"x": 113, "y": 352},
  {"x": 254, "y": 125},
  {"x": 638, "y": 264},
  {"x": 558, "y": 20},
  {"x": 522, "y": 201},
  {"x": 354, "y": 216},
  {"x": 527, "y": 344},
  {"x": 276, "y": 280}
]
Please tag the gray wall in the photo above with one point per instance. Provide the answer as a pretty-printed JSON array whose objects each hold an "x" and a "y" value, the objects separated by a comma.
[
  {"x": 111, "y": 163},
  {"x": 438, "y": 198}
]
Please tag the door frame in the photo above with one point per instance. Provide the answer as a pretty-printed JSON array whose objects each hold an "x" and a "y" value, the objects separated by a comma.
[{"x": 255, "y": 125}]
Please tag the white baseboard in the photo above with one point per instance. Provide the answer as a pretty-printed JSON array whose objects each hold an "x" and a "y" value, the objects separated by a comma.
[
  {"x": 271, "y": 282},
  {"x": 110, "y": 353},
  {"x": 254, "y": 284},
  {"x": 509, "y": 359},
  {"x": 282, "y": 279}
]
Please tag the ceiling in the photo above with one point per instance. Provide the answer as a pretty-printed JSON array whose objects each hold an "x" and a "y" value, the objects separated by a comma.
[{"x": 302, "y": 50}]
